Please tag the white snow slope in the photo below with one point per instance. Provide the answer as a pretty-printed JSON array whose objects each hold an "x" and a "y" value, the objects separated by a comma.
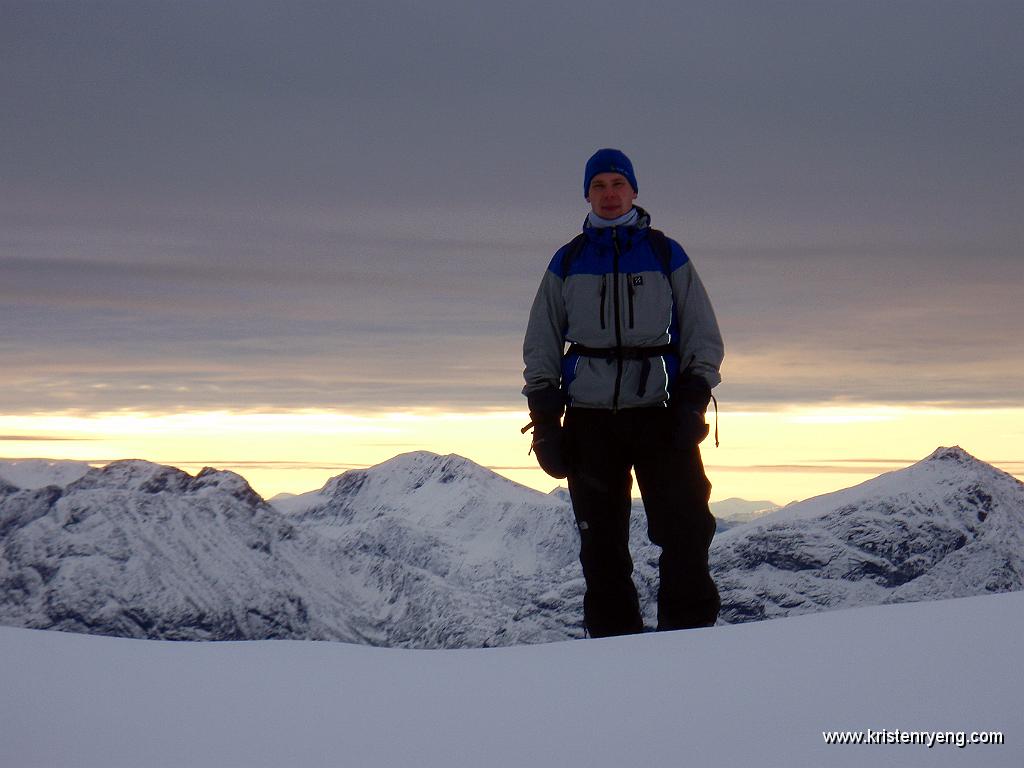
[{"x": 751, "y": 695}]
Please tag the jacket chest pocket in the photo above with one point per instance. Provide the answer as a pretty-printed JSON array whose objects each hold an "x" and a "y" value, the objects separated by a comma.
[
  {"x": 589, "y": 303},
  {"x": 647, "y": 301},
  {"x": 634, "y": 282}
]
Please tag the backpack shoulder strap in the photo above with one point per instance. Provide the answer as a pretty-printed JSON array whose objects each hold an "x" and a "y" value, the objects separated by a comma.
[
  {"x": 572, "y": 250},
  {"x": 662, "y": 249}
]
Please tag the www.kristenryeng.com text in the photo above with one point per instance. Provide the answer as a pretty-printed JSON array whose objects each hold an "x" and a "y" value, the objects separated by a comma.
[{"x": 930, "y": 739}]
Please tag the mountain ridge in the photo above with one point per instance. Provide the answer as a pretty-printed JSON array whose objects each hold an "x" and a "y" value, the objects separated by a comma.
[
  {"x": 427, "y": 550},
  {"x": 949, "y": 525}
]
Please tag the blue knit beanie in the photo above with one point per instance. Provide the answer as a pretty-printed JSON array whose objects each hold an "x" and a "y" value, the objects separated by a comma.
[{"x": 608, "y": 161}]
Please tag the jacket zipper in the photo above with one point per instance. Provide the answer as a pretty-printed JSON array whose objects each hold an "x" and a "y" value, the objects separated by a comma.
[
  {"x": 604, "y": 289},
  {"x": 618, "y": 319},
  {"x": 632, "y": 291}
]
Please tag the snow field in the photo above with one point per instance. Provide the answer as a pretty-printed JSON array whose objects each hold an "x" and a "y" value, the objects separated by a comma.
[{"x": 757, "y": 694}]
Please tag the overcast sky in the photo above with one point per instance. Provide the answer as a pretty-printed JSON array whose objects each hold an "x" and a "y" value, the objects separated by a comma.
[{"x": 350, "y": 205}]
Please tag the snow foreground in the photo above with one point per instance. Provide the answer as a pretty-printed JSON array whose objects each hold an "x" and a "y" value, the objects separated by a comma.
[{"x": 758, "y": 694}]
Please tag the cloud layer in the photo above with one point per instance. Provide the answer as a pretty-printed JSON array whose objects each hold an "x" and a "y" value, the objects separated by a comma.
[{"x": 272, "y": 206}]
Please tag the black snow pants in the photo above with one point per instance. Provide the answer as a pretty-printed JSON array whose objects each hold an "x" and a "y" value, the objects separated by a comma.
[{"x": 603, "y": 446}]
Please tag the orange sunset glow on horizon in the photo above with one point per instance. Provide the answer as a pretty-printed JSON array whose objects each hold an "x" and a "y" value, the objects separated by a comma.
[{"x": 781, "y": 455}]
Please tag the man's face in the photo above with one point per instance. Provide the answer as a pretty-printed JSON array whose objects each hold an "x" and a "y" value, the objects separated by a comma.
[{"x": 610, "y": 195}]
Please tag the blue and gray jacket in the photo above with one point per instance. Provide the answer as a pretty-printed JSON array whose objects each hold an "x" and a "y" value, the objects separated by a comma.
[{"x": 632, "y": 321}]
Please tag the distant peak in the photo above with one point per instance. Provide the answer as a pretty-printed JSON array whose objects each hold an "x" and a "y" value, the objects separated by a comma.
[
  {"x": 429, "y": 462},
  {"x": 416, "y": 465},
  {"x": 424, "y": 457},
  {"x": 954, "y": 453},
  {"x": 149, "y": 477},
  {"x": 227, "y": 481},
  {"x": 134, "y": 474}
]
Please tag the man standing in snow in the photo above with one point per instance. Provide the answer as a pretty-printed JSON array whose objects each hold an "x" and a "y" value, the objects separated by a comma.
[{"x": 634, "y": 385}]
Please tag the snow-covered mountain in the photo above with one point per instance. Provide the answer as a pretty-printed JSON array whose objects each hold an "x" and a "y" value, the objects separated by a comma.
[
  {"x": 728, "y": 513},
  {"x": 449, "y": 553},
  {"x": 741, "y": 510},
  {"x": 948, "y": 526},
  {"x": 436, "y": 551},
  {"x": 423, "y": 550},
  {"x": 142, "y": 550}
]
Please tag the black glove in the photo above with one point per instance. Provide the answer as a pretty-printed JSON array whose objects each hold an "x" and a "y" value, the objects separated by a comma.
[
  {"x": 687, "y": 405},
  {"x": 549, "y": 445},
  {"x": 689, "y": 428}
]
